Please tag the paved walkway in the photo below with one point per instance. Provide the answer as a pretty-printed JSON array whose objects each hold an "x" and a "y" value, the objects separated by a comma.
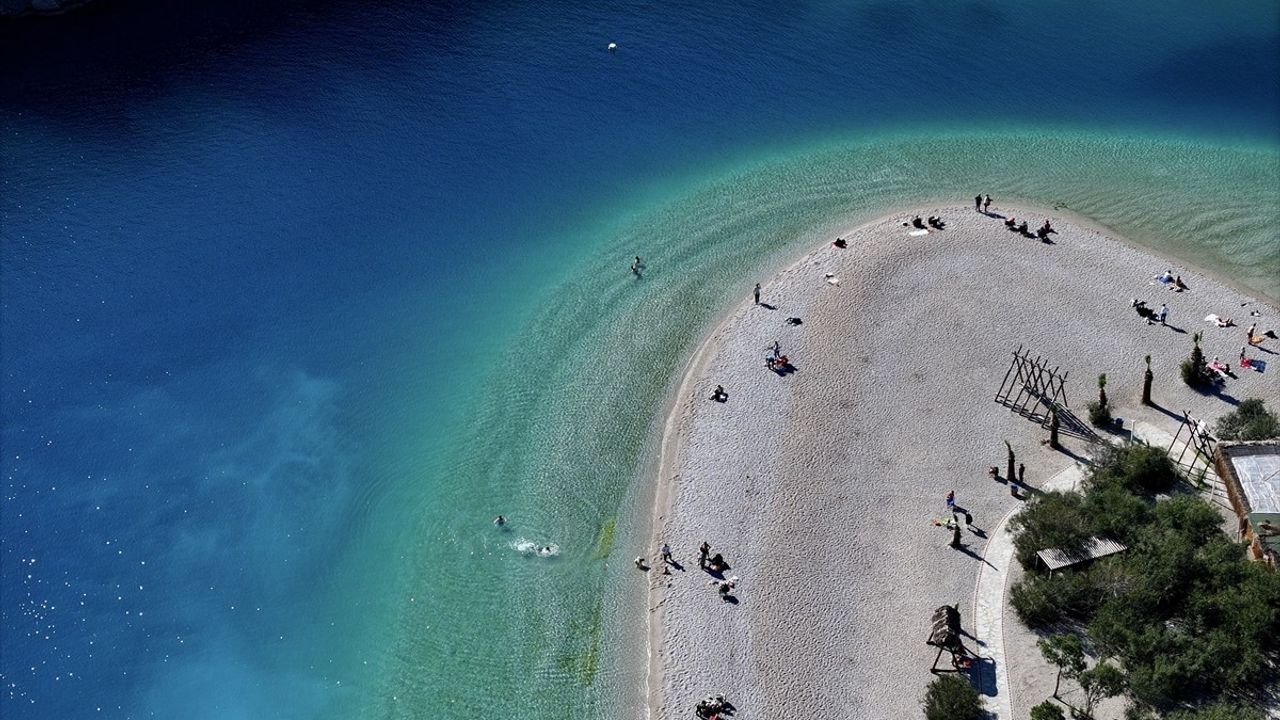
[{"x": 988, "y": 601}]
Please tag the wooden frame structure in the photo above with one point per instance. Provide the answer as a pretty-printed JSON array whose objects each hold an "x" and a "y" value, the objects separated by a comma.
[
  {"x": 1029, "y": 384},
  {"x": 1197, "y": 437},
  {"x": 945, "y": 635}
]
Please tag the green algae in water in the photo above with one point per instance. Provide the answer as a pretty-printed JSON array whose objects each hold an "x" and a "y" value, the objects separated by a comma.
[{"x": 604, "y": 541}]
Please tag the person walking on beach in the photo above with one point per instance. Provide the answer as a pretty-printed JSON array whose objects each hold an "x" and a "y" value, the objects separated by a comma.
[
  {"x": 977, "y": 203},
  {"x": 703, "y": 551},
  {"x": 986, "y": 204},
  {"x": 666, "y": 553},
  {"x": 951, "y": 500},
  {"x": 756, "y": 293},
  {"x": 1164, "y": 313},
  {"x": 1022, "y": 473}
]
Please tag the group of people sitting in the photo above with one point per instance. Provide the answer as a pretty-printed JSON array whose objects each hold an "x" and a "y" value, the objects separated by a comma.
[
  {"x": 932, "y": 222},
  {"x": 719, "y": 394},
  {"x": 1043, "y": 233},
  {"x": 713, "y": 707},
  {"x": 1173, "y": 281}
]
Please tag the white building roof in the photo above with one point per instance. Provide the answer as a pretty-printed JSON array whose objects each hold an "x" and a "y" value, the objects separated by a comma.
[{"x": 1258, "y": 468}]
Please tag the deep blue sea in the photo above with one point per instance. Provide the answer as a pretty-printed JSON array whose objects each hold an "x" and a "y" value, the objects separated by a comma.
[{"x": 296, "y": 296}]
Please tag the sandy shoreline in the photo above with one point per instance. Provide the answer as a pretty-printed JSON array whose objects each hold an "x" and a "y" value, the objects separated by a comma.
[{"x": 819, "y": 487}]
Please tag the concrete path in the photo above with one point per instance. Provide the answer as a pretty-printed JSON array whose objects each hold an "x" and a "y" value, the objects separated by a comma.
[{"x": 988, "y": 601}]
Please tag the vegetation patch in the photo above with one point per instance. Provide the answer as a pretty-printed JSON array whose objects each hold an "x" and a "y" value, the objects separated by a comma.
[
  {"x": 951, "y": 697},
  {"x": 604, "y": 540},
  {"x": 1251, "y": 420},
  {"x": 1186, "y": 622}
]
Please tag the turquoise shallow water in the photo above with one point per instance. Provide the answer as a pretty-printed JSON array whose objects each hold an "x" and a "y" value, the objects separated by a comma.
[{"x": 294, "y": 301}]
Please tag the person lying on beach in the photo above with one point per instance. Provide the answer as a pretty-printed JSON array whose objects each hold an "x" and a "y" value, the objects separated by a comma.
[
  {"x": 1143, "y": 311},
  {"x": 936, "y": 222},
  {"x": 917, "y": 222},
  {"x": 719, "y": 395},
  {"x": 717, "y": 563},
  {"x": 1221, "y": 321},
  {"x": 1166, "y": 278},
  {"x": 794, "y": 321},
  {"x": 840, "y": 243},
  {"x": 1220, "y": 367},
  {"x": 1011, "y": 222}
]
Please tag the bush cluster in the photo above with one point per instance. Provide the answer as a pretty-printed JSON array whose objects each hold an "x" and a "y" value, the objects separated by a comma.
[
  {"x": 951, "y": 697},
  {"x": 1251, "y": 420},
  {"x": 1190, "y": 620}
]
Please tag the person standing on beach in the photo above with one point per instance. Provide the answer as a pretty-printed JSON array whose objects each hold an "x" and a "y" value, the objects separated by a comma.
[
  {"x": 986, "y": 204},
  {"x": 756, "y": 293},
  {"x": 1022, "y": 473},
  {"x": 703, "y": 551},
  {"x": 951, "y": 500},
  {"x": 666, "y": 553},
  {"x": 977, "y": 203},
  {"x": 1164, "y": 313}
]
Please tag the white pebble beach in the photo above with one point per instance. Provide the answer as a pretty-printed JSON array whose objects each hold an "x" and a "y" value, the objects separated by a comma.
[{"x": 820, "y": 486}]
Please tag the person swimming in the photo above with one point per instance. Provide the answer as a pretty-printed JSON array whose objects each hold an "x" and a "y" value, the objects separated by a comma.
[{"x": 500, "y": 521}]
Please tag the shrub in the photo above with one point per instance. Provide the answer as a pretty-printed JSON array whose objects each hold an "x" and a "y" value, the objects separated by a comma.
[
  {"x": 951, "y": 697},
  {"x": 1047, "y": 711},
  {"x": 1099, "y": 414},
  {"x": 1219, "y": 711},
  {"x": 1043, "y": 600},
  {"x": 1195, "y": 371},
  {"x": 1134, "y": 467},
  {"x": 1250, "y": 421},
  {"x": 1050, "y": 520}
]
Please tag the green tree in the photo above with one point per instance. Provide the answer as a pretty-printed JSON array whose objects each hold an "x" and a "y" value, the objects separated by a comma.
[
  {"x": 1103, "y": 680},
  {"x": 951, "y": 697},
  {"x": 1195, "y": 371},
  {"x": 1050, "y": 520},
  {"x": 1219, "y": 711},
  {"x": 1047, "y": 711},
  {"x": 1251, "y": 420},
  {"x": 1064, "y": 652}
]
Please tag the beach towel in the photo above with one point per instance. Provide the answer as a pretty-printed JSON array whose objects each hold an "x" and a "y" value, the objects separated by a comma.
[
  {"x": 918, "y": 233},
  {"x": 1259, "y": 365}
]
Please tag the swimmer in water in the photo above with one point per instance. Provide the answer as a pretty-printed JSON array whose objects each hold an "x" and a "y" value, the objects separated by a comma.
[{"x": 499, "y": 521}]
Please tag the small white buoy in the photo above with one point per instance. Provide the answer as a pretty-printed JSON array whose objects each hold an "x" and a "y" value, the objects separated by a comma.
[{"x": 613, "y": 47}]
